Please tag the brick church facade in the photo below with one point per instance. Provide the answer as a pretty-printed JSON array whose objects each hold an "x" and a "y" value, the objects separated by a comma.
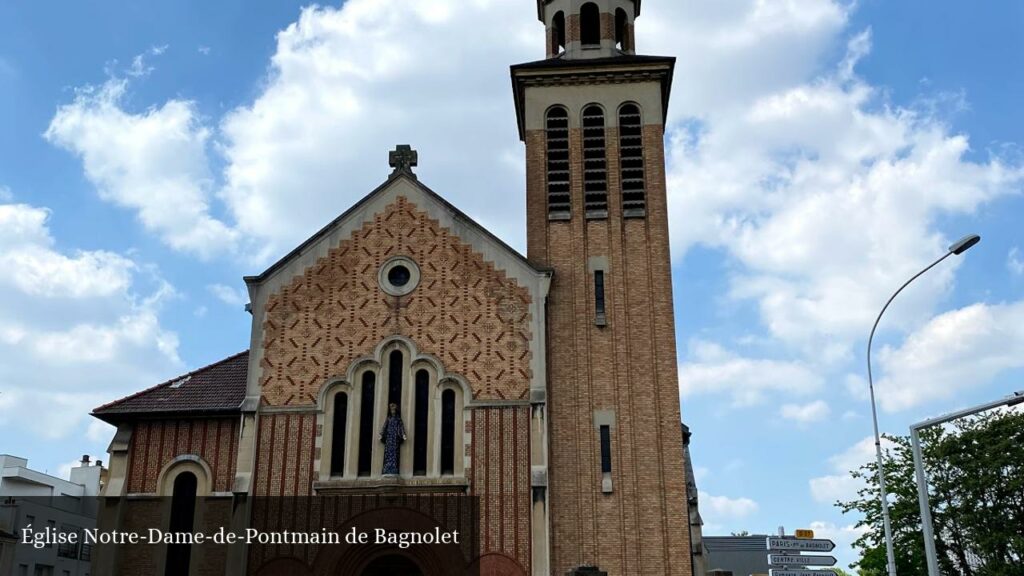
[{"x": 544, "y": 386}]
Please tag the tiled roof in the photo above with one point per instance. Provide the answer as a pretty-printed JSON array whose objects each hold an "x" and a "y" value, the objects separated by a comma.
[{"x": 217, "y": 388}]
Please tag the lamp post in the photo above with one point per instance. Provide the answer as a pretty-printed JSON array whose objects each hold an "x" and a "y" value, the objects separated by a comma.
[
  {"x": 958, "y": 248},
  {"x": 922, "y": 479}
]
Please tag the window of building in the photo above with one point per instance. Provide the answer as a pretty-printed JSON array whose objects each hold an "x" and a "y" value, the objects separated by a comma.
[
  {"x": 339, "y": 428},
  {"x": 68, "y": 549},
  {"x": 631, "y": 158},
  {"x": 595, "y": 163},
  {"x": 395, "y": 378},
  {"x": 422, "y": 414},
  {"x": 448, "y": 432},
  {"x": 621, "y": 29},
  {"x": 183, "y": 510},
  {"x": 599, "y": 316},
  {"x": 366, "y": 424},
  {"x": 43, "y": 570},
  {"x": 557, "y": 132},
  {"x": 590, "y": 24},
  {"x": 606, "y": 449},
  {"x": 558, "y": 32}
]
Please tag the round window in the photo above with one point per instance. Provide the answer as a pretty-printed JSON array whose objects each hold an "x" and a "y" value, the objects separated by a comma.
[{"x": 399, "y": 276}]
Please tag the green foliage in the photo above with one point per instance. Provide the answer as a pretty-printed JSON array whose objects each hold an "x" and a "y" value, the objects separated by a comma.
[{"x": 976, "y": 491}]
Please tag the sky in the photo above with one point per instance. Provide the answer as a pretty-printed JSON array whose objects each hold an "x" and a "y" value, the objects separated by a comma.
[{"x": 820, "y": 152}]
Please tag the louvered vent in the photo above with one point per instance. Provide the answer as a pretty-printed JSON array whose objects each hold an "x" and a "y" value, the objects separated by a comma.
[
  {"x": 559, "y": 207},
  {"x": 631, "y": 156},
  {"x": 595, "y": 164}
]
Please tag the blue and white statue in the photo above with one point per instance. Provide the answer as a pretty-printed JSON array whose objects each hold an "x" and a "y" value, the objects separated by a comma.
[{"x": 392, "y": 435}]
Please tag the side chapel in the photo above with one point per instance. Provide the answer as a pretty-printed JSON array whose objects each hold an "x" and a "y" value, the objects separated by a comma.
[{"x": 544, "y": 385}]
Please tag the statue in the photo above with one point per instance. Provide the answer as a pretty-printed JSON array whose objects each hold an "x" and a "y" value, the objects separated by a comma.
[{"x": 392, "y": 435}]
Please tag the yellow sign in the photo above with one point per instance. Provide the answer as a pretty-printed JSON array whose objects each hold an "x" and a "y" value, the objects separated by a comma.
[{"x": 808, "y": 534}]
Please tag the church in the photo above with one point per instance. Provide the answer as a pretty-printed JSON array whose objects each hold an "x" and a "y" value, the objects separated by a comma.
[{"x": 405, "y": 358}]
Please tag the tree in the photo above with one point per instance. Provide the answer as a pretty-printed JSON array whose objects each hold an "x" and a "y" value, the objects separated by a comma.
[
  {"x": 741, "y": 533},
  {"x": 976, "y": 491}
]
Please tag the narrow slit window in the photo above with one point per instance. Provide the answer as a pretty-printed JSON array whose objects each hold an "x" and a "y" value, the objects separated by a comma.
[
  {"x": 366, "y": 424},
  {"x": 395, "y": 378},
  {"x": 448, "y": 432},
  {"x": 595, "y": 163},
  {"x": 338, "y": 432},
  {"x": 600, "y": 319},
  {"x": 559, "y": 205},
  {"x": 631, "y": 157},
  {"x": 590, "y": 24},
  {"x": 419, "y": 456},
  {"x": 606, "y": 449}
]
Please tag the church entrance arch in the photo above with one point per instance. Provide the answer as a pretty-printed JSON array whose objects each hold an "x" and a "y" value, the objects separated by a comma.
[{"x": 392, "y": 565}]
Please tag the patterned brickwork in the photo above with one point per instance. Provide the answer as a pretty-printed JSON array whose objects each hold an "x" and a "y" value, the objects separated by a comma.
[
  {"x": 465, "y": 312},
  {"x": 627, "y": 367},
  {"x": 155, "y": 443},
  {"x": 500, "y": 476},
  {"x": 284, "y": 454}
]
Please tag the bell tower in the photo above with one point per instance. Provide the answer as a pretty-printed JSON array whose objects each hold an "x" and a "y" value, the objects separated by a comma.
[{"x": 592, "y": 115}]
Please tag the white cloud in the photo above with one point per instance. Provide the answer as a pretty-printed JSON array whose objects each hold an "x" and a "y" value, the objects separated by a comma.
[
  {"x": 153, "y": 162},
  {"x": 228, "y": 295},
  {"x": 722, "y": 508},
  {"x": 840, "y": 485},
  {"x": 842, "y": 535},
  {"x": 711, "y": 369},
  {"x": 1014, "y": 262},
  {"x": 827, "y": 197},
  {"x": 76, "y": 329},
  {"x": 959, "y": 350},
  {"x": 805, "y": 413},
  {"x": 5, "y": 194}
]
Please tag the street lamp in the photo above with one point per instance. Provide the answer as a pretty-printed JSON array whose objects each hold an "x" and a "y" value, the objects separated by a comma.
[
  {"x": 961, "y": 246},
  {"x": 922, "y": 480}
]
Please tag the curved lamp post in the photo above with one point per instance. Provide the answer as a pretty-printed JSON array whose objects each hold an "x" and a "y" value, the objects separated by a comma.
[{"x": 961, "y": 246}]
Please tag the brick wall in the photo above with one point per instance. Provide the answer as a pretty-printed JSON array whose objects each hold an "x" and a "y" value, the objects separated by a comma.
[{"x": 155, "y": 443}]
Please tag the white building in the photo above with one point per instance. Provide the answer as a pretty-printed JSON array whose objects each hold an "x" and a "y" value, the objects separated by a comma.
[{"x": 29, "y": 497}]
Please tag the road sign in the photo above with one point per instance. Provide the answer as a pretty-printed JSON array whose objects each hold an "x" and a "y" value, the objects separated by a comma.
[
  {"x": 792, "y": 544},
  {"x": 777, "y": 572},
  {"x": 800, "y": 560},
  {"x": 804, "y": 533}
]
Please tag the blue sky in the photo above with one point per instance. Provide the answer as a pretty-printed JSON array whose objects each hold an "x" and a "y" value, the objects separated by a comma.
[{"x": 820, "y": 152}]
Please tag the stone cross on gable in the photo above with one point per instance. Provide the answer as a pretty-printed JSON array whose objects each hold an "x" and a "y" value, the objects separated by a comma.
[{"x": 403, "y": 159}]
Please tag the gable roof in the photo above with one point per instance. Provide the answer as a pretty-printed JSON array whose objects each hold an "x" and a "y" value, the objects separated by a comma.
[
  {"x": 411, "y": 179},
  {"x": 215, "y": 389}
]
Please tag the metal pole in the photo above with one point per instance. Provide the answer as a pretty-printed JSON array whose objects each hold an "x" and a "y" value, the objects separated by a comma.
[
  {"x": 926, "y": 511},
  {"x": 922, "y": 480},
  {"x": 889, "y": 553}
]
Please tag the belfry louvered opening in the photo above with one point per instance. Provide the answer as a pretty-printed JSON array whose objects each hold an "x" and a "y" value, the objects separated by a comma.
[
  {"x": 631, "y": 158},
  {"x": 559, "y": 206},
  {"x": 595, "y": 163}
]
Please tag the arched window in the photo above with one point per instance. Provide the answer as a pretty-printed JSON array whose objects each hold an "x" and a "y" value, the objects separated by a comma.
[
  {"x": 366, "y": 424},
  {"x": 339, "y": 426},
  {"x": 183, "y": 512},
  {"x": 631, "y": 158},
  {"x": 621, "y": 29},
  {"x": 595, "y": 163},
  {"x": 448, "y": 432},
  {"x": 559, "y": 206},
  {"x": 395, "y": 378},
  {"x": 420, "y": 429},
  {"x": 590, "y": 25},
  {"x": 558, "y": 33}
]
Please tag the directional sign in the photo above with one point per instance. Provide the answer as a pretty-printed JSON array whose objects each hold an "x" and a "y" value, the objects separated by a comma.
[
  {"x": 791, "y": 544},
  {"x": 804, "y": 533},
  {"x": 777, "y": 572},
  {"x": 795, "y": 560}
]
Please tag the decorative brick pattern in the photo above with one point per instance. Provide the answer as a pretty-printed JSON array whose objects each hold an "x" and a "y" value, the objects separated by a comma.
[
  {"x": 155, "y": 443},
  {"x": 465, "y": 312},
  {"x": 500, "y": 476}
]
